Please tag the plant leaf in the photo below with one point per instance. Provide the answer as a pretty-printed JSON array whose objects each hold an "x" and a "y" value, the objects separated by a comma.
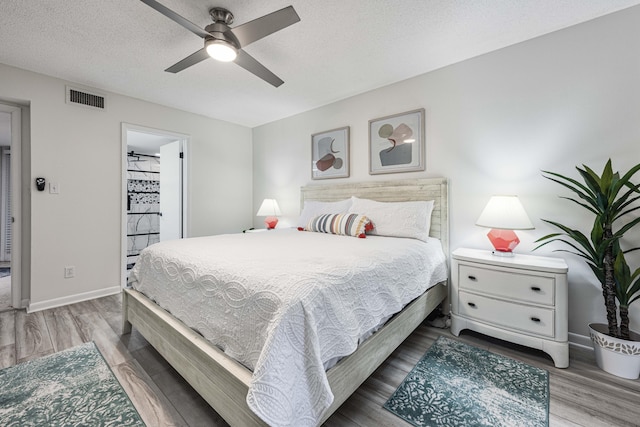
[{"x": 586, "y": 194}]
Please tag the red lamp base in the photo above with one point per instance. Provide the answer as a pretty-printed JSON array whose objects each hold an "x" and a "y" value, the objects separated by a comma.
[
  {"x": 271, "y": 222},
  {"x": 504, "y": 241}
]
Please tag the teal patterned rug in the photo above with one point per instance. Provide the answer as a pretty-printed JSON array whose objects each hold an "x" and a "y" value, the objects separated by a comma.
[
  {"x": 455, "y": 384},
  {"x": 74, "y": 387}
]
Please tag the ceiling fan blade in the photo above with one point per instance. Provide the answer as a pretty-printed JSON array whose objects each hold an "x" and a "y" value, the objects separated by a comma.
[
  {"x": 190, "y": 60},
  {"x": 249, "y": 63},
  {"x": 262, "y": 27},
  {"x": 177, "y": 18}
]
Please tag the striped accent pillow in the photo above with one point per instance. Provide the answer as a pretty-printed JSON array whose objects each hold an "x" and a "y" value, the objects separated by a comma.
[{"x": 343, "y": 224}]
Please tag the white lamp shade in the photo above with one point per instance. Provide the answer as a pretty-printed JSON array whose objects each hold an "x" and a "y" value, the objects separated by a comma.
[
  {"x": 506, "y": 213},
  {"x": 269, "y": 207}
]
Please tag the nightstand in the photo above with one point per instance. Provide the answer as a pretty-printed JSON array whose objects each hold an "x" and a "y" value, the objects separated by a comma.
[{"x": 521, "y": 299}]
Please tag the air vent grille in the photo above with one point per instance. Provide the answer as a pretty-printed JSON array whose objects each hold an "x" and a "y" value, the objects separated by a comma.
[{"x": 82, "y": 97}]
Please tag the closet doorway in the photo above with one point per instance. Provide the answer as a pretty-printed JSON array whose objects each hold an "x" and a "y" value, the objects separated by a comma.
[
  {"x": 154, "y": 188},
  {"x": 10, "y": 206}
]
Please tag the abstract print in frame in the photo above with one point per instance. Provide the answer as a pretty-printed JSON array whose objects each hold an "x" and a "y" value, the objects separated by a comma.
[
  {"x": 330, "y": 154},
  {"x": 396, "y": 143}
]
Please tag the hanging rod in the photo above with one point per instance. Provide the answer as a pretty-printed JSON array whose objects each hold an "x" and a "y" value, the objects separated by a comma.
[
  {"x": 141, "y": 171},
  {"x": 143, "y": 234},
  {"x": 134, "y": 154},
  {"x": 144, "y": 213}
]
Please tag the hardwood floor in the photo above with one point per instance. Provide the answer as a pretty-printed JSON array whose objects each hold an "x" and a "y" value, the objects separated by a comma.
[{"x": 581, "y": 395}]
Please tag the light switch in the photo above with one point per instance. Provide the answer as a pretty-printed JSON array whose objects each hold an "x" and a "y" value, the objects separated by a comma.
[{"x": 54, "y": 188}]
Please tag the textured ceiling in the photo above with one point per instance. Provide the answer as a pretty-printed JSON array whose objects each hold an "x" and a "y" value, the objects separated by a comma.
[{"x": 339, "y": 48}]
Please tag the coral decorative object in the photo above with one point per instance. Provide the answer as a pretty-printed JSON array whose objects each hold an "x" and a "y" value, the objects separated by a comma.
[
  {"x": 503, "y": 240},
  {"x": 271, "y": 222}
]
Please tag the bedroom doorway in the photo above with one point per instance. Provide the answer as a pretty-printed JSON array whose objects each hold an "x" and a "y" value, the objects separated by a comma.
[
  {"x": 10, "y": 206},
  {"x": 154, "y": 190}
]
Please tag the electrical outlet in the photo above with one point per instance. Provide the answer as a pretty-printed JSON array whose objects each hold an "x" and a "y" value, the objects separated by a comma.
[{"x": 69, "y": 272}]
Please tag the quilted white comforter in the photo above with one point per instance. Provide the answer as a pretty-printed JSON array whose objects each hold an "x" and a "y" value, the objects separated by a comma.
[{"x": 283, "y": 303}]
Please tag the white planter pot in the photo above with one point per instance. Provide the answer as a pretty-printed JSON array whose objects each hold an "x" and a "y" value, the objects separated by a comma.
[{"x": 616, "y": 356}]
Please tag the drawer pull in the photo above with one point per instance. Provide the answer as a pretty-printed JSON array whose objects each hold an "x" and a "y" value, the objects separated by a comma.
[
  {"x": 535, "y": 319},
  {"x": 472, "y": 304},
  {"x": 536, "y": 288},
  {"x": 472, "y": 278}
]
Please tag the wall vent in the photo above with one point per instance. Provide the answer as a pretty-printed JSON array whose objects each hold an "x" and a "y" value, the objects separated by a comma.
[{"x": 84, "y": 98}]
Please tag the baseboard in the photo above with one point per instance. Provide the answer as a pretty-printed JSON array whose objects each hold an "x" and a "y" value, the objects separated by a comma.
[
  {"x": 72, "y": 299},
  {"x": 581, "y": 341}
]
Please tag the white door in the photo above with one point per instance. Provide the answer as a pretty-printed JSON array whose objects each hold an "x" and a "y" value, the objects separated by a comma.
[{"x": 171, "y": 191}]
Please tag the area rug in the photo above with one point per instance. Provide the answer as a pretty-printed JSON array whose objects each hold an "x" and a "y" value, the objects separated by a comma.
[
  {"x": 455, "y": 384},
  {"x": 74, "y": 387}
]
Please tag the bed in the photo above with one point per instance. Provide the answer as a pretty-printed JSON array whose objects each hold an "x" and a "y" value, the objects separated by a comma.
[{"x": 225, "y": 383}]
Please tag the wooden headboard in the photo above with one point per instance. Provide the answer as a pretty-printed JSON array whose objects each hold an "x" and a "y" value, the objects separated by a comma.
[{"x": 392, "y": 191}]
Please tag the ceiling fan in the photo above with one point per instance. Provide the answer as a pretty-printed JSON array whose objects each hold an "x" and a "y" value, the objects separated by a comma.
[{"x": 226, "y": 44}]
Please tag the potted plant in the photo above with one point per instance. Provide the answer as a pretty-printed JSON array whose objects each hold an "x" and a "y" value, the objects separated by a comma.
[{"x": 610, "y": 198}]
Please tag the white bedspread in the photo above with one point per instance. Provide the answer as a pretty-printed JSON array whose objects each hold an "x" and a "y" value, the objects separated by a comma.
[{"x": 285, "y": 302}]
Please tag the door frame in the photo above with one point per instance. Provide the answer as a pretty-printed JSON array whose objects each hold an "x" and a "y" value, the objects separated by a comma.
[
  {"x": 5, "y": 201},
  {"x": 185, "y": 139},
  {"x": 16, "y": 202}
]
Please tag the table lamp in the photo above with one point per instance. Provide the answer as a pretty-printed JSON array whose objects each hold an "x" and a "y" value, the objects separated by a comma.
[
  {"x": 503, "y": 214},
  {"x": 270, "y": 209}
]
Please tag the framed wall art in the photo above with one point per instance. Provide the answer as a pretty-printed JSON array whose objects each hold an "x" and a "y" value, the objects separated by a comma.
[
  {"x": 396, "y": 143},
  {"x": 330, "y": 154}
]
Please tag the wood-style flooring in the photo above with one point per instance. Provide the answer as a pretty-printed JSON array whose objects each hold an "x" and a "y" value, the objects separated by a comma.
[{"x": 581, "y": 395}]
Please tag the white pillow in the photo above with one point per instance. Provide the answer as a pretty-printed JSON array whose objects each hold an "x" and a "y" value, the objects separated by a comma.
[
  {"x": 396, "y": 219},
  {"x": 313, "y": 208}
]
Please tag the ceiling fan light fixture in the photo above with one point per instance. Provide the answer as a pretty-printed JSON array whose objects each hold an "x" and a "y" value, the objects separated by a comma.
[{"x": 221, "y": 50}]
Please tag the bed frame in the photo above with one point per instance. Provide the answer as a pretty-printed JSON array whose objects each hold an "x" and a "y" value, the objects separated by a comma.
[{"x": 224, "y": 383}]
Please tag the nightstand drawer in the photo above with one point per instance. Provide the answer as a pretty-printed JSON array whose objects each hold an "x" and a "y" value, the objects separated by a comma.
[
  {"x": 510, "y": 285},
  {"x": 525, "y": 318}
]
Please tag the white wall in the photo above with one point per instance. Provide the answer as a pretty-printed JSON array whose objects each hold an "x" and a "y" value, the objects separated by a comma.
[
  {"x": 492, "y": 124},
  {"x": 81, "y": 150}
]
